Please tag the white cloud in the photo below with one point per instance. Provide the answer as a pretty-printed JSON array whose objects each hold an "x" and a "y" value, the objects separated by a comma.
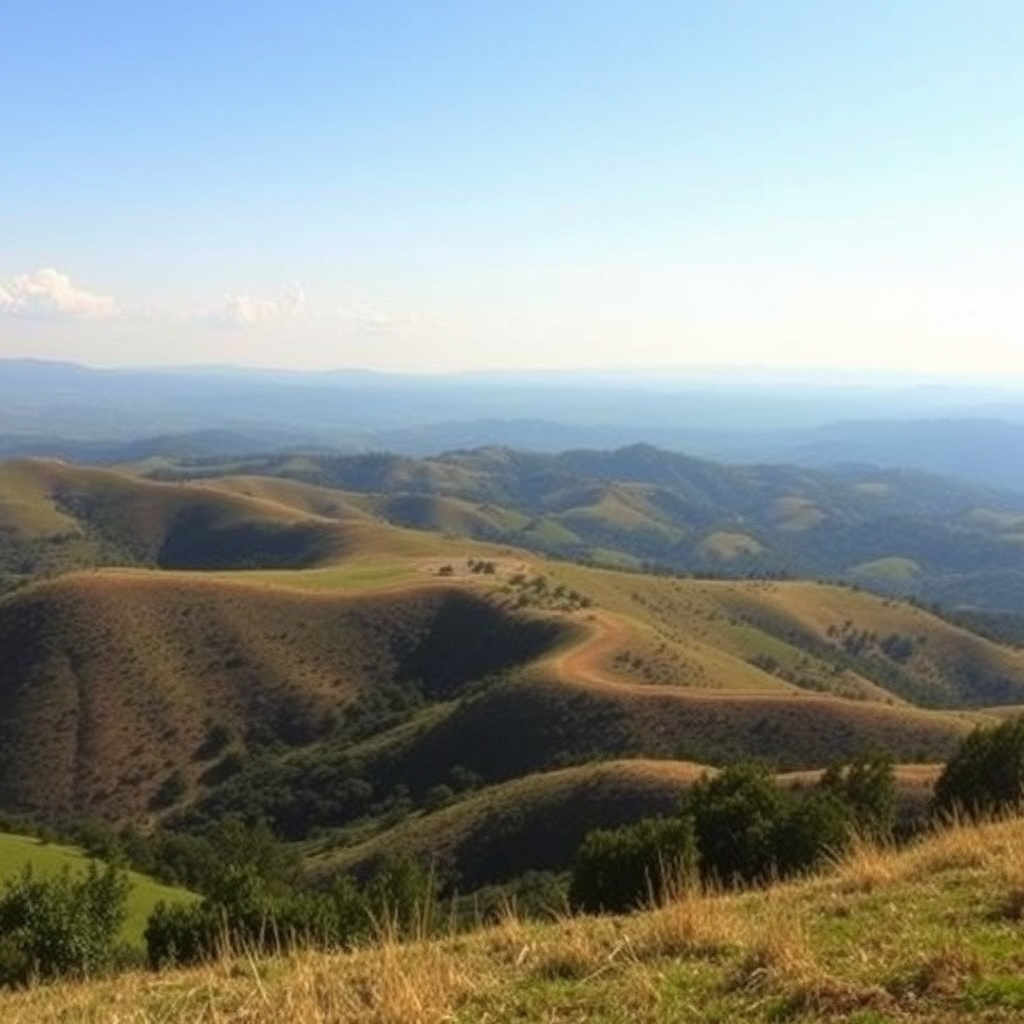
[
  {"x": 251, "y": 310},
  {"x": 47, "y": 294}
]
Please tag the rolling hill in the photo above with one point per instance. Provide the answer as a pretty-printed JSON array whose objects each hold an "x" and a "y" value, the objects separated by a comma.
[
  {"x": 896, "y": 531},
  {"x": 378, "y": 686},
  {"x": 112, "y": 681},
  {"x": 537, "y": 822},
  {"x": 55, "y": 517}
]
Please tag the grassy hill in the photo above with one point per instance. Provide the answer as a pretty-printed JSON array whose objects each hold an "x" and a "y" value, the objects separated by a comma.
[
  {"x": 55, "y": 517},
  {"x": 319, "y": 698},
  {"x": 532, "y": 823},
  {"x": 112, "y": 681},
  {"x": 898, "y": 531},
  {"x": 927, "y": 935},
  {"x": 47, "y": 859}
]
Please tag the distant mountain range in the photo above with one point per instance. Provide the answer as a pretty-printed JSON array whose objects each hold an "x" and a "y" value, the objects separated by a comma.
[{"x": 117, "y": 416}]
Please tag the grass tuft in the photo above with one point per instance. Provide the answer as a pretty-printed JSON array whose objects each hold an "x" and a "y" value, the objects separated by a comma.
[
  {"x": 694, "y": 923},
  {"x": 778, "y": 954}
]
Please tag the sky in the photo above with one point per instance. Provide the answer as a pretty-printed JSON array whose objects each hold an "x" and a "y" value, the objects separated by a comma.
[{"x": 438, "y": 185}]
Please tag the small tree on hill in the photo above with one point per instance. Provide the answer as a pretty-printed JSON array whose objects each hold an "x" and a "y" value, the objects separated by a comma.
[
  {"x": 750, "y": 830},
  {"x": 867, "y": 787},
  {"x": 621, "y": 869},
  {"x": 985, "y": 775},
  {"x": 738, "y": 815}
]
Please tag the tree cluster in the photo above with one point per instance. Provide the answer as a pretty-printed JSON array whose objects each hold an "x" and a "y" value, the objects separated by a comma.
[
  {"x": 736, "y": 827},
  {"x": 65, "y": 925}
]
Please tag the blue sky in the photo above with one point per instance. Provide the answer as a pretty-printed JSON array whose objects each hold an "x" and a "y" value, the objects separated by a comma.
[{"x": 456, "y": 185}]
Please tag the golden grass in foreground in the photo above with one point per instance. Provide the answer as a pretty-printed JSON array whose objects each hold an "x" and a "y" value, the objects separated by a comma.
[{"x": 927, "y": 934}]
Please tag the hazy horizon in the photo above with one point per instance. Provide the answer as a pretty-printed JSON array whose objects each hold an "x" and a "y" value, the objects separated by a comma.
[{"x": 455, "y": 187}]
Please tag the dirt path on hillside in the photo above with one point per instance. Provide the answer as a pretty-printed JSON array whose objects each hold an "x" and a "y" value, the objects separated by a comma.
[{"x": 583, "y": 662}]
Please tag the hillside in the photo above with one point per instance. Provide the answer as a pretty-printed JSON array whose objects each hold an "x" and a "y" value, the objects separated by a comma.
[
  {"x": 55, "y": 517},
  {"x": 928, "y": 935},
  {"x": 412, "y": 684},
  {"x": 893, "y": 530},
  {"x": 537, "y": 822},
  {"x": 113, "y": 681},
  {"x": 406, "y": 671}
]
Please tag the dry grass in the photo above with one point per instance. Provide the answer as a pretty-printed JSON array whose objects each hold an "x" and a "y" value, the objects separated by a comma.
[
  {"x": 391, "y": 984},
  {"x": 777, "y": 951},
  {"x": 944, "y": 971},
  {"x": 1012, "y": 880},
  {"x": 867, "y": 866},
  {"x": 957, "y": 845},
  {"x": 693, "y": 923},
  {"x": 778, "y": 954}
]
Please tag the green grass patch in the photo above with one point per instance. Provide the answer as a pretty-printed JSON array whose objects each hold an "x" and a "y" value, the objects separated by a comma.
[
  {"x": 48, "y": 859},
  {"x": 895, "y": 569},
  {"x": 344, "y": 577}
]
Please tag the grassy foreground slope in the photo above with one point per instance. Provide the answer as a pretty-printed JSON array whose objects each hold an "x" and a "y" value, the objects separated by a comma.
[
  {"x": 929, "y": 935},
  {"x": 47, "y": 859}
]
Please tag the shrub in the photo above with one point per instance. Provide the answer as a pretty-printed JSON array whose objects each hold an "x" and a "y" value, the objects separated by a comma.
[
  {"x": 244, "y": 911},
  {"x": 814, "y": 828},
  {"x": 867, "y": 786},
  {"x": 750, "y": 830},
  {"x": 621, "y": 869},
  {"x": 985, "y": 773},
  {"x": 65, "y": 925},
  {"x": 738, "y": 815}
]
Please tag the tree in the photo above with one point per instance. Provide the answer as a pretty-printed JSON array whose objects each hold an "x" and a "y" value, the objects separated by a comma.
[
  {"x": 749, "y": 830},
  {"x": 621, "y": 869},
  {"x": 867, "y": 786},
  {"x": 815, "y": 827},
  {"x": 985, "y": 773},
  {"x": 64, "y": 925},
  {"x": 737, "y": 815}
]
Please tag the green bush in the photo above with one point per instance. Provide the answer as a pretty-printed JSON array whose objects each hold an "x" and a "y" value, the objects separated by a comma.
[
  {"x": 815, "y": 827},
  {"x": 867, "y": 787},
  {"x": 624, "y": 868},
  {"x": 750, "y": 830},
  {"x": 739, "y": 827},
  {"x": 739, "y": 815},
  {"x": 245, "y": 911},
  {"x": 66, "y": 925},
  {"x": 985, "y": 775}
]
